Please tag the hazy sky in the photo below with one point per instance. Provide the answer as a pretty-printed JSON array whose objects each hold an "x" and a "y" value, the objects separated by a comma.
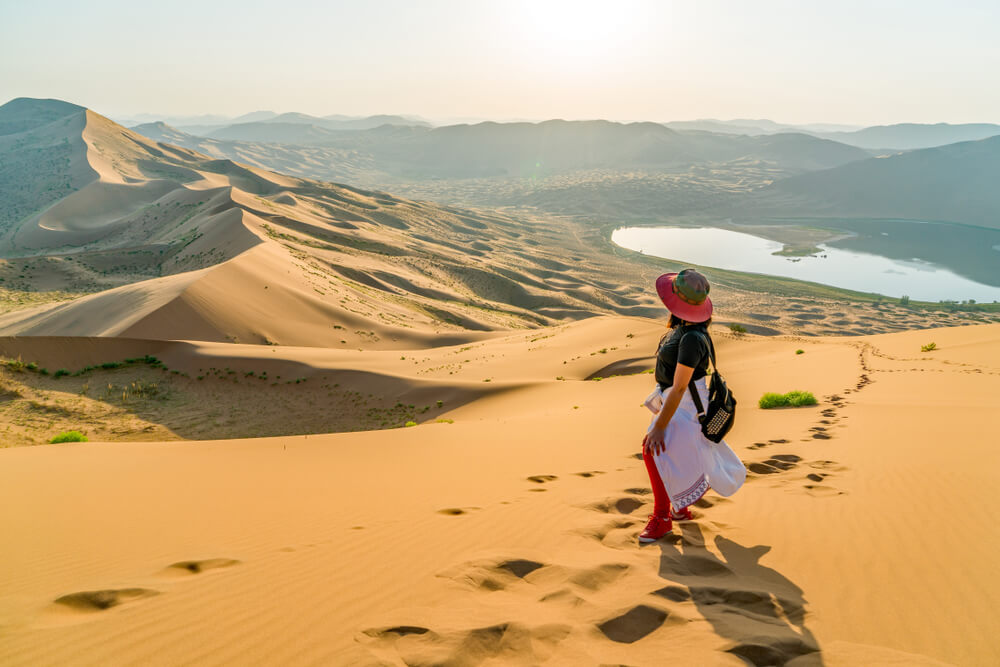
[{"x": 793, "y": 61}]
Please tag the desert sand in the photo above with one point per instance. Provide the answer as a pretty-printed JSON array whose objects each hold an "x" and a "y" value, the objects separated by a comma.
[
  {"x": 331, "y": 426},
  {"x": 506, "y": 534}
]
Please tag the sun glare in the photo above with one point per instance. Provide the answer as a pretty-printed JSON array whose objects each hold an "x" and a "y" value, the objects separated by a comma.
[{"x": 574, "y": 36}]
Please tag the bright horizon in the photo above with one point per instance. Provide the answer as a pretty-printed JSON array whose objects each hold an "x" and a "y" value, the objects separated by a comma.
[{"x": 791, "y": 62}]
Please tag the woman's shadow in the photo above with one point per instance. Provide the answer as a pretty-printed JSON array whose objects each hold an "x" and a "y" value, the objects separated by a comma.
[{"x": 758, "y": 608}]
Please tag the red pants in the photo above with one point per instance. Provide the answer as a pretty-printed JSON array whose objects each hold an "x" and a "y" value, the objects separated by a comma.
[{"x": 661, "y": 501}]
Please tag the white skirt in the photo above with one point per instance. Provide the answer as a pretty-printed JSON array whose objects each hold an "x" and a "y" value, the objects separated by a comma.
[{"x": 691, "y": 463}]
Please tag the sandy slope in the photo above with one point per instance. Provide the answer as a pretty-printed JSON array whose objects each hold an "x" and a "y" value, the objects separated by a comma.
[
  {"x": 864, "y": 535},
  {"x": 186, "y": 246}
]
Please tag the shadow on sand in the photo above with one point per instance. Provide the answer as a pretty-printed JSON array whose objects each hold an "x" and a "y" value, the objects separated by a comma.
[{"x": 756, "y": 607}]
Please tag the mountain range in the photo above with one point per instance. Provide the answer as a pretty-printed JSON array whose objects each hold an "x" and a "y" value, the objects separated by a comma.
[
  {"x": 955, "y": 183},
  {"x": 642, "y": 170}
]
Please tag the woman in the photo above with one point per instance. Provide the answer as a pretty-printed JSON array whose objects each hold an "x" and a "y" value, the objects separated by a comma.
[{"x": 682, "y": 463}]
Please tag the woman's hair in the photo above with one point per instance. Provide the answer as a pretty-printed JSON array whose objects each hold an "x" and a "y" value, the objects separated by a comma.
[{"x": 675, "y": 322}]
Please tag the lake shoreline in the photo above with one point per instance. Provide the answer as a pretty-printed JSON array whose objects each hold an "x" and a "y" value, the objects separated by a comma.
[{"x": 781, "y": 250}]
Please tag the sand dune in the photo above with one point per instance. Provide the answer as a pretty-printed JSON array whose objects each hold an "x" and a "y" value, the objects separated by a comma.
[
  {"x": 338, "y": 265},
  {"x": 508, "y": 536},
  {"x": 245, "y": 350}
]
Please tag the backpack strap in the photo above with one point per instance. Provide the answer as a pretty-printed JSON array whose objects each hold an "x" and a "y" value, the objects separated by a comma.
[
  {"x": 696, "y": 398},
  {"x": 691, "y": 387},
  {"x": 711, "y": 349}
]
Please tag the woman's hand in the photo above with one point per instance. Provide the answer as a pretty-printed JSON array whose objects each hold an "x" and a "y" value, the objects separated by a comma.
[{"x": 653, "y": 442}]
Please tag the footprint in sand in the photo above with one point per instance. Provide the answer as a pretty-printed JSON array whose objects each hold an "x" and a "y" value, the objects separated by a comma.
[
  {"x": 492, "y": 575},
  {"x": 777, "y": 652},
  {"x": 456, "y": 511},
  {"x": 520, "y": 567},
  {"x": 761, "y": 468},
  {"x": 563, "y": 596},
  {"x": 617, "y": 534},
  {"x": 93, "y": 601},
  {"x": 396, "y": 631},
  {"x": 466, "y": 646},
  {"x": 761, "y": 445},
  {"x": 625, "y": 505},
  {"x": 710, "y": 501},
  {"x": 589, "y": 473},
  {"x": 199, "y": 566},
  {"x": 541, "y": 479},
  {"x": 822, "y": 490},
  {"x": 633, "y": 625},
  {"x": 596, "y": 578}
]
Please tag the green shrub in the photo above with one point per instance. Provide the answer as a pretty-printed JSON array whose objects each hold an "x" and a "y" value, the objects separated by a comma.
[
  {"x": 930, "y": 347},
  {"x": 410, "y": 423},
  {"x": 737, "y": 328},
  {"x": 60, "y": 373},
  {"x": 68, "y": 436},
  {"x": 32, "y": 366},
  {"x": 793, "y": 399},
  {"x": 904, "y": 300},
  {"x": 800, "y": 351}
]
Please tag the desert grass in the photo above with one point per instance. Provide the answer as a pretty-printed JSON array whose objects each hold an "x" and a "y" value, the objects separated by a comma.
[{"x": 793, "y": 399}]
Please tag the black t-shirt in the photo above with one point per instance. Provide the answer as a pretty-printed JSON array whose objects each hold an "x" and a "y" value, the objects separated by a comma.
[{"x": 687, "y": 345}]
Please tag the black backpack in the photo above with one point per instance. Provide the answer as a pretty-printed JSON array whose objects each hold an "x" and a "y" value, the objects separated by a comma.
[{"x": 717, "y": 420}]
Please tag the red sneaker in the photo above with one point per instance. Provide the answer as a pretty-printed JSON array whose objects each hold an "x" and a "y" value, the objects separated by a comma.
[
  {"x": 657, "y": 527},
  {"x": 681, "y": 515}
]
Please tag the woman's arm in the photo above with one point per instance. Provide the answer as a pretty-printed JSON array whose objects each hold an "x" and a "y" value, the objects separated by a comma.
[{"x": 653, "y": 442}]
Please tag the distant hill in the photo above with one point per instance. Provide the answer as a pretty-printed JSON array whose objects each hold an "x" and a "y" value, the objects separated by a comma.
[
  {"x": 903, "y": 136},
  {"x": 956, "y": 183},
  {"x": 25, "y": 113},
  {"x": 255, "y": 116},
  {"x": 498, "y": 150},
  {"x": 274, "y": 132},
  {"x": 536, "y": 149},
  {"x": 754, "y": 126},
  {"x": 910, "y": 136},
  {"x": 589, "y": 168},
  {"x": 299, "y": 128}
]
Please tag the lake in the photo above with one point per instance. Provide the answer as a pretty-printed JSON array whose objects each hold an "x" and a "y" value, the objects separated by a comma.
[{"x": 865, "y": 272}]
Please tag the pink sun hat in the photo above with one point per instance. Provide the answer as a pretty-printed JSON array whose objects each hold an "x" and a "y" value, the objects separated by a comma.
[{"x": 685, "y": 294}]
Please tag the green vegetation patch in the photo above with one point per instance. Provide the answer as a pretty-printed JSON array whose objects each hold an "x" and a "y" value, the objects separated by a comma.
[
  {"x": 793, "y": 399},
  {"x": 68, "y": 436},
  {"x": 930, "y": 347}
]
